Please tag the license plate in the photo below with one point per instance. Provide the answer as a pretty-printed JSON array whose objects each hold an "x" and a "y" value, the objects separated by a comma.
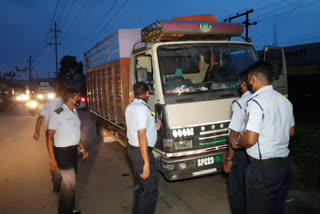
[{"x": 206, "y": 161}]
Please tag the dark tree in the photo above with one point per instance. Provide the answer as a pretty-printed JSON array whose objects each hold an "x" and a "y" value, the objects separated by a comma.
[{"x": 70, "y": 72}]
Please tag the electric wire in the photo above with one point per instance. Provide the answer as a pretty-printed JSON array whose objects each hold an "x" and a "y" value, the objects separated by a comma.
[{"x": 114, "y": 15}]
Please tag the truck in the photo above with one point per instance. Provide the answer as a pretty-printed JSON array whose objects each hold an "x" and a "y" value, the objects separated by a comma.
[
  {"x": 191, "y": 66},
  {"x": 45, "y": 92}
]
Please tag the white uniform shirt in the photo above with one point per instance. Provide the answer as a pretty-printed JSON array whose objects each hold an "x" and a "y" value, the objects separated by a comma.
[
  {"x": 50, "y": 107},
  {"x": 271, "y": 115},
  {"x": 138, "y": 117},
  {"x": 239, "y": 108},
  {"x": 67, "y": 126}
]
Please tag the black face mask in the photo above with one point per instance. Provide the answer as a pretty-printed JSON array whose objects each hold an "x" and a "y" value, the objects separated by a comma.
[
  {"x": 77, "y": 102},
  {"x": 249, "y": 87}
]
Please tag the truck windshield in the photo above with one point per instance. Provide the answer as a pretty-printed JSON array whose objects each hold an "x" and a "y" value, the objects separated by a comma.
[{"x": 203, "y": 67}]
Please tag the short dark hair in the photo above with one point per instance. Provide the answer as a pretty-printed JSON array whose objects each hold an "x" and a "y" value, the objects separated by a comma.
[
  {"x": 60, "y": 91},
  {"x": 140, "y": 88},
  {"x": 69, "y": 93},
  {"x": 262, "y": 70}
]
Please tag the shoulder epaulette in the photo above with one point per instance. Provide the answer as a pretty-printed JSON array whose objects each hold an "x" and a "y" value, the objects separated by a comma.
[
  {"x": 59, "y": 110},
  {"x": 254, "y": 100},
  {"x": 235, "y": 101}
]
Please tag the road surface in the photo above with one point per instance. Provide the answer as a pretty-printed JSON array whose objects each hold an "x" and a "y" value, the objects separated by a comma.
[{"x": 105, "y": 183}]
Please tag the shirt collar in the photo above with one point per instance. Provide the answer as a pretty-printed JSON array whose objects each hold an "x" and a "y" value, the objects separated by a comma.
[
  {"x": 141, "y": 101},
  {"x": 67, "y": 108},
  {"x": 248, "y": 93},
  {"x": 263, "y": 89}
]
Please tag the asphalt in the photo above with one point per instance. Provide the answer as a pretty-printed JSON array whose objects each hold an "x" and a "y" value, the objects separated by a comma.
[{"x": 105, "y": 183}]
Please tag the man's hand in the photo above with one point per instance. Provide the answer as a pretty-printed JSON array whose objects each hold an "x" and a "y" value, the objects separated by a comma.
[
  {"x": 158, "y": 126},
  {"x": 36, "y": 136},
  {"x": 235, "y": 144},
  {"x": 85, "y": 155},
  {"x": 228, "y": 166},
  {"x": 146, "y": 172},
  {"x": 54, "y": 165}
]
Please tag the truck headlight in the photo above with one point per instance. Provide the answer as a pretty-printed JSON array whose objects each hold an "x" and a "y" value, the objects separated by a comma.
[
  {"x": 167, "y": 144},
  {"x": 40, "y": 96},
  {"x": 186, "y": 144},
  {"x": 51, "y": 96}
]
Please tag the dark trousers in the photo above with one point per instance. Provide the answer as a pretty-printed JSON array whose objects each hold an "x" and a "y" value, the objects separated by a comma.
[
  {"x": 267, "y": 184},
  {"x": 55, "y": 174},
  {"x": 67, "y": 158},
  {"x": 146, "y": 191},
  {"x": 236, "y": 182}
]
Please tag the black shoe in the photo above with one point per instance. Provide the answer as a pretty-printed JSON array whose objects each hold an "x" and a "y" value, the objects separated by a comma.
[{"x": 76, "y": 212}]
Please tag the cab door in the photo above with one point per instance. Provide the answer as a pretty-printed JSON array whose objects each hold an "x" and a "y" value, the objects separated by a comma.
[
  {"x": 276, "y": 57},
  {"x": 144, "y": 73}
]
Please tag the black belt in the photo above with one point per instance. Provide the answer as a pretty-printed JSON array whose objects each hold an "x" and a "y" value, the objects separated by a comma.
[
  {"x": 67, "y": 147},
  {"x": 269, "y": 161},
  {"x": 137, "y": 148},
  {"x": 133, "y": 147}
]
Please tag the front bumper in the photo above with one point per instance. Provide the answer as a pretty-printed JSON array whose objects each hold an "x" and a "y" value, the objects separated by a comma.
[{"x": 192, "y": 166}]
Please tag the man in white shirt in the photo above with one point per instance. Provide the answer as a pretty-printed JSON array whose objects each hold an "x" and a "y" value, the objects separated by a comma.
[
  {"x": 236, "y": 162},
  {"x": 142, "y": 136},
  {"x": 64, "y": 133},
  {"x": 269, "y": 126},
  {"x": 46, "y": 114}
]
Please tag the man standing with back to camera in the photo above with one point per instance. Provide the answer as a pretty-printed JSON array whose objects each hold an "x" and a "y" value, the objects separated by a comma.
[
  {"x": 270, "y": 123},
  {"x": 142, "y": 136}
]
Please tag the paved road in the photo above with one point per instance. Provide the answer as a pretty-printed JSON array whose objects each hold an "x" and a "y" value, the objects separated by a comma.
[{"x": 105, "y": 184}]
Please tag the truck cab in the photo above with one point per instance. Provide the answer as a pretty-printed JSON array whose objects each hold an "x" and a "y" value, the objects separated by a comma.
[
  {"x": 192, "y": 72},
  {"x": 193, "y": 84}
]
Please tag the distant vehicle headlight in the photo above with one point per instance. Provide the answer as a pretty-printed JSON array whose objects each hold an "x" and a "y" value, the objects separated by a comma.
[
  {"x": 33, "y": 104},
  {"x": 51, "y": 96},
  {"x": 18, "y": 98},
  {"x": 40, "y": 96},
  {"x": 25, "y": 97}
]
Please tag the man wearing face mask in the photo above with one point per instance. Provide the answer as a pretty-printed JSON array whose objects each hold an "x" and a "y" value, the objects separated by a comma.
[
  {"x": 142, "y": 136},
  {"x": 237, "y": 161},
  {"x": 46, "y": 113},
  {"x": 63, "y": 140},
  {"x": 270, "y": 123}
]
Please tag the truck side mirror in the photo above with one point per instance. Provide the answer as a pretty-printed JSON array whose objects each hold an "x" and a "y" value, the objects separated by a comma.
[{"x": 142, "y": 75}]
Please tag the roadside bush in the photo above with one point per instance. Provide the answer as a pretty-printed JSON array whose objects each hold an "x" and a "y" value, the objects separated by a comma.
[{"x": 305, "y": 151}]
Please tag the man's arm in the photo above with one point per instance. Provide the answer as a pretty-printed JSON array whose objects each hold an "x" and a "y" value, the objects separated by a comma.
[
  {"x": 83, "y": 151},
  {"x": 36, "y": 134},
  {"x": 233, "y": 137},
  {"x": 50, "y": 145},
  {"x": 143, "y": 143},
  {"x": 249, "y": 139},
  {"x": 292, "y": 131}
]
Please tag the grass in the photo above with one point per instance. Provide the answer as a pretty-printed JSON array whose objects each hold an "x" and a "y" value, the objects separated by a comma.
[{"x": 305, "y": 150}]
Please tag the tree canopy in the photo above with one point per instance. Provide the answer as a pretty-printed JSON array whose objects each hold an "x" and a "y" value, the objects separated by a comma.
[{"x": 70, "y": 72}]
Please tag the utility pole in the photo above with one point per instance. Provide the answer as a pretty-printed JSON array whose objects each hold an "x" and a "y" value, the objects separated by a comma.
[
  {"x": 246, "y": 22},
  {"x": 30, "y": 61},
  {"x": 56, "y": 31}
]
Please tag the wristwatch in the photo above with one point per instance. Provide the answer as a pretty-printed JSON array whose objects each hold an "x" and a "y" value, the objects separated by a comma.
[
  {"x": 82, "y": 150},
  {"x": 229, "y": 159}
]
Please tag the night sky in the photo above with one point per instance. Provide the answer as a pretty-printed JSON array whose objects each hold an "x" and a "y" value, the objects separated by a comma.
[{"x": 25, "y": 24}]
